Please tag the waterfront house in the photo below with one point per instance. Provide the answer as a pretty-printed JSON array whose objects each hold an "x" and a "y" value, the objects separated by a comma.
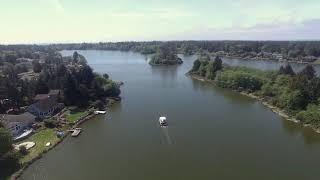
[
  {"x": 46, "y": 105},
  {"x": 17, "y": 123}
]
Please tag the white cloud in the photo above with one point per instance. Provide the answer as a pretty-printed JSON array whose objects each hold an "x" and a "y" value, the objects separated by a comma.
[{"x": 306, "y": 30}]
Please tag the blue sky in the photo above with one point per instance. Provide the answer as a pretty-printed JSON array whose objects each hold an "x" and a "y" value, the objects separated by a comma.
[{"x": 51, "y": 21}]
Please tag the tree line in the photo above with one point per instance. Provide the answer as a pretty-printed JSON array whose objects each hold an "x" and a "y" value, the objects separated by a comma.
[
  {"x": 296, "y": 93},
  {"x": 291, "y": 50}
]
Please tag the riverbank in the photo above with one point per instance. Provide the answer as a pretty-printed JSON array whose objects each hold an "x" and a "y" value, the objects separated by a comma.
[
  {"x": 44, "y": 135},
  {"x": 273, "y": 108}
]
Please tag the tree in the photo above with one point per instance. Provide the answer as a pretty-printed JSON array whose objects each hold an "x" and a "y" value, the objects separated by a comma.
[
  {"x": 196, "y": 65},
  {"x": 9, "y": 163},
  {"x": 6, "y": 141},
  {"x": 83, "y": 99},
  {"x": 82, "y": 60},
  {"x": 61, "y": 70},
  {"x": 75, "y": 56},
  {"x": 20, "y": 68},
  {"x": 287, "y": 69},
  {"x": 86, "y": 75},
  {"x": 217, "y": 64},
  {"x": 308, "y": 72},
  {"x": 23, "y": 150},
  {"x": 11, "y": 57},
  {"x": 98, "y": 104},
  {"x": 41, "y": 87},
  {"x": 36, "y": 66},
  {"x": 106, "y": 76},
  {"x": 70, "y": 90},
  {"x": 50, "y": 123}
]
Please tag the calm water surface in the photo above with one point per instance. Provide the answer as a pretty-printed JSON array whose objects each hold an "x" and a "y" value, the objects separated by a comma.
[{"x": 213, "y": 133}]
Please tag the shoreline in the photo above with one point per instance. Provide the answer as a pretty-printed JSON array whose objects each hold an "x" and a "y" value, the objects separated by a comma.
[
  {"x": 82, "y": 120},
  {"x": 274, "y": 109},
  {"x": 272, "y": 60}
]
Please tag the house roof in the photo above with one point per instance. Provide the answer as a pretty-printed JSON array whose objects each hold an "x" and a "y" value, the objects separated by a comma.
[
  {"x": 44, "y": 105},
  {"x": 41, "y": 97},
  {"x": 54, "y": 92},
  {"x": 9, "y": 118}
]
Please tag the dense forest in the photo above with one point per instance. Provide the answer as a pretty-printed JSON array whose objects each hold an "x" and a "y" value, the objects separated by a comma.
[
  {"x": 300, "y": 51},
  {"x": 296, "y": 93},
  {"x": 24, "y": 76}
]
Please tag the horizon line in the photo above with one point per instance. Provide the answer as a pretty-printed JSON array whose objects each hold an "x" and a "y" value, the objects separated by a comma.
[{"x": 137, "y": 41}]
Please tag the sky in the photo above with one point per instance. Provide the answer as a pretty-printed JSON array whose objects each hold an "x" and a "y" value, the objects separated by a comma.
[{"x": 66, "y": 21}]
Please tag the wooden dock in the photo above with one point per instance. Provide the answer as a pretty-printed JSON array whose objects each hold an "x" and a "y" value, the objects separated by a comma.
[{"x": 76, "y": 132}]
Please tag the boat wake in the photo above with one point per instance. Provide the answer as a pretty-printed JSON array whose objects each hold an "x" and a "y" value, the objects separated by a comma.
[{"x": 165, "y": 131}]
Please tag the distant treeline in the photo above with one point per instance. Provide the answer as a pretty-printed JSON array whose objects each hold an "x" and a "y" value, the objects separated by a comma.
[{"x": 287, "y": 50}]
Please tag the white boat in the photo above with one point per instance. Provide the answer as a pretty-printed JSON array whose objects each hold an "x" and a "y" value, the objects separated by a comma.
[
  {"x": 24, "y": 134},
  {"x": 163, "y": 121},
  {"x": 100, "y": 112}
]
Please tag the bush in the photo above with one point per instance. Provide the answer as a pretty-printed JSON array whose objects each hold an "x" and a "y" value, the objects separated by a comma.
[
  {"x": 50, "y": 123},
  {"x": 9, "y": 163},
  {"x": 311, "y": 115},
  {"x": 98, "y": 104},
  {"x": 23, "y": 150},
  {"x": 106, "y": 76},
  {"x": 239, "y": 80}
]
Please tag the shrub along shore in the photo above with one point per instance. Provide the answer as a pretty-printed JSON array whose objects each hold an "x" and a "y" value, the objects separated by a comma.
[{"x": 294, "y": 96}]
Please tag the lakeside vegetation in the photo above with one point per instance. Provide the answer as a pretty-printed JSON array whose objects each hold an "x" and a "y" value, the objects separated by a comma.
[
  {"x": 297, "y": 94},
  {"x": 29, "y": 71}
]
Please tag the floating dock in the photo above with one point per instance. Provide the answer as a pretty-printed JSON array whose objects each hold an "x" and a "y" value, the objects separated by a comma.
[{"x": 76, "y": 132}]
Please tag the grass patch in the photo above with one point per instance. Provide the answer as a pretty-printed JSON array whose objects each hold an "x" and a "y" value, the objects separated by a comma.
[
  {"x": 317, "y": 61},
  {"x": 40, "y": 138},
  {"x": 73, "y": 116}
]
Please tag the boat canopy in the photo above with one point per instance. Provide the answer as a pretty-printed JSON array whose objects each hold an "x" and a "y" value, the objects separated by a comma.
[{"x": 162, "y": 118}]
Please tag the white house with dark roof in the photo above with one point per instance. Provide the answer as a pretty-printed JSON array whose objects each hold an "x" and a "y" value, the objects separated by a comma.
[
  {"x": 46, "y": 105},
  {"x": 17, "y": 123}
]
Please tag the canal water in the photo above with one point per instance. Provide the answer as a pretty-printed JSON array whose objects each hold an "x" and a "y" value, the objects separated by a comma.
[{"x": 213, "y": 133}]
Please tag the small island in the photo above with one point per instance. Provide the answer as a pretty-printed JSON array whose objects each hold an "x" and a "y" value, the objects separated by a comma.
[{"x": 165, "y": 56}]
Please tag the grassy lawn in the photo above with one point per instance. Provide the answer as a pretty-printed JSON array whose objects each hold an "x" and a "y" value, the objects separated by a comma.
[
  {"x": 317, "y": 61},
  {"x": 75, "y": 115},
  {"x": 40, "y": 138}
]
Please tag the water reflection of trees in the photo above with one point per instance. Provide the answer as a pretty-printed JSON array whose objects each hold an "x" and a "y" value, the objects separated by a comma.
[
  {"x": 309, "y": 136},
  {"x": 165, "y": 72},
  {"x": 228, "y": 94}
]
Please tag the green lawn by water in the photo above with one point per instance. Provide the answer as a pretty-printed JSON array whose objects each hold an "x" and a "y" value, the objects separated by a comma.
[
  {"x": 317, "y": 61},
  {"x": 41, "y": 139},
  {"x": 75, "y": 115}
]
